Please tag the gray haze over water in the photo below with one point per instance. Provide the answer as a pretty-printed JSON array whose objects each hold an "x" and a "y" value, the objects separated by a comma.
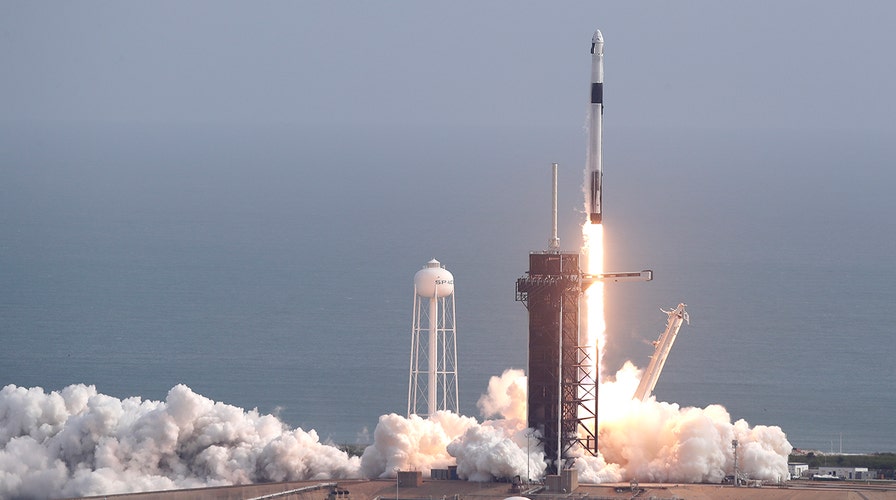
[{"x": 236, "y": 197}]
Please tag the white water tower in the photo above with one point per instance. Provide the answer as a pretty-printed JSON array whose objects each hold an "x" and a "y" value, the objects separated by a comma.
[{"x": 432, "y": 382}]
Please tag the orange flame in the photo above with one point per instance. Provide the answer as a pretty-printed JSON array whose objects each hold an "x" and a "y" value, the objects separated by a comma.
[{"x": 595, "y": 324}]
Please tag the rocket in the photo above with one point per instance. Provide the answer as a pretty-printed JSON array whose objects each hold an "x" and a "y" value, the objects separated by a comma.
[{"x": 595, "y": 169}]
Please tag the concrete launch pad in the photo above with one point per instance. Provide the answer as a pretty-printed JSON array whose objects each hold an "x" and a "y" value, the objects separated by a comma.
[{"x": 384, "y": 489}]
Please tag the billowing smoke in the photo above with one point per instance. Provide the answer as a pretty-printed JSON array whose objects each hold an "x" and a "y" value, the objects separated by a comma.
[
  {"x": 495, "y": 448},
  {"x": 657, "y": 441},
  {"x": 413, "y": 443},
  {"x": 643, "y": 440},
  {"x": 76, "y": 442},
  {"x": 506, "y": 397}
]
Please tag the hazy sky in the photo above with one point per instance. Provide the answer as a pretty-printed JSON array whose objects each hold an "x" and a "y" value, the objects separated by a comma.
[
  {"x": 136, "y": 137},
  {"x": 752, "y": 107},
  {"x": 790, "y": 65}
]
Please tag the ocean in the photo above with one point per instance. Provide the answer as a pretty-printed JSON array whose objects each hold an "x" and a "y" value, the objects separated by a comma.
[{"x": 272, "y": 268}]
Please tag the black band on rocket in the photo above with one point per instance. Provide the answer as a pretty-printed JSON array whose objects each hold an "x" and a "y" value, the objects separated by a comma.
[{"x": 597, "y": 93}]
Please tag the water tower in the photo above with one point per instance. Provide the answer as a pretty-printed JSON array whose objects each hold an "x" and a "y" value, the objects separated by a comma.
[{"x": 432, "y": 382}]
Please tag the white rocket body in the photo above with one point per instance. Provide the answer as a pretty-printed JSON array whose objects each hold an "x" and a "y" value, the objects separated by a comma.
[{"x": 595, "y": 167}]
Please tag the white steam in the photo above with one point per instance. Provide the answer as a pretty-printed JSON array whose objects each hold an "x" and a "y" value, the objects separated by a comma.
[
  {"x": 649, "y": 441},
  {"x": 413, "y": 443},
  {"x": 495, "y": 448},
  {"x": 506, "y": 397},
  {"x": 658, "y": 441},
  {"x": 76, "y": 442}
]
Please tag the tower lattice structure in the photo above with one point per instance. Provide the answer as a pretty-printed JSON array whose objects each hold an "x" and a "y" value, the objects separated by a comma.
[{"x": 562, "y": 393}]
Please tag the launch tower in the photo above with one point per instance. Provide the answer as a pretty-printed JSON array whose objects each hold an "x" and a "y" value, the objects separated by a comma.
[
  {"x": 432, "y": 384},
  {"x": 562, "y": 404},
  {"x": 562, "y": 391}
]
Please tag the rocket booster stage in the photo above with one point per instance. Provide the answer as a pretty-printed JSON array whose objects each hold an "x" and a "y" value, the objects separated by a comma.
[{"x": 595, "y": 168}]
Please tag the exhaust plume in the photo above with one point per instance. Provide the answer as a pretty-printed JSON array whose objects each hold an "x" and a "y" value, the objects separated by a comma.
[
  {"x": 76, "y": 442},
  {"x": 655, "y": 441},
  {"x": 494, "y": 448}
]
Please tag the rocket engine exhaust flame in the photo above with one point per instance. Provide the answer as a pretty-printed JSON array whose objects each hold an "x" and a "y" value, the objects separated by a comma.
[
  {"x": 656, "y": 441},
  {"x": 595, "y": 325},
  {"x": 650, "y": 440}
]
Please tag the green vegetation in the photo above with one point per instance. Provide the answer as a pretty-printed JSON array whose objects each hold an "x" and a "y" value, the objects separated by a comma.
[{"x": 883, "y": 462}]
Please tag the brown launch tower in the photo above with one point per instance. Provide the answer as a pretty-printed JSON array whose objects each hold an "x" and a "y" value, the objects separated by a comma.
[{"x": 562, "y": 393}]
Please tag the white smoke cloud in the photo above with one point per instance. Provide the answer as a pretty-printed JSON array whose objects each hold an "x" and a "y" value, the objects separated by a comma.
[
  {"x": 495, "y": 448},
  {"x": 506, "y": 397},
  {"x": 76, "y": 442},
  {"x": 657, "y": 441},
  {"x": 502, "y": 447},
  {"x": 488, "y": 451},
  {"x": 413, "y": 443}
]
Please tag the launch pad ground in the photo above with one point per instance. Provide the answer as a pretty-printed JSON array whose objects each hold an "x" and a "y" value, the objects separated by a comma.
[{"x": 385, "y": 490}]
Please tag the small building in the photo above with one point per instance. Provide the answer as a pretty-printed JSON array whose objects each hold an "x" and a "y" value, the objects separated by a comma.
[
  {"x": 860, "y": 473},
  {"x": 410, "y": 478},
  {"x": 566, "y": 482},
  {"x": 797, "y": 469},
  {"x": 444, "y": 474}
]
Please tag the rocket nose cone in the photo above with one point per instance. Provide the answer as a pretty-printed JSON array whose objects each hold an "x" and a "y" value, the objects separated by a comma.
[{"x": 597, "y": 43}]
